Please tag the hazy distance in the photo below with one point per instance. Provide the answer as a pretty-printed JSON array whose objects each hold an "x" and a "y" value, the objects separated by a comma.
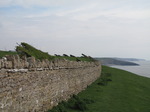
[{"x": 110, "y": 28}]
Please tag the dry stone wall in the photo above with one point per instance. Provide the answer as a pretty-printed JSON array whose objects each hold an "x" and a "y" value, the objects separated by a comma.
[{"x": 30, "y": 85}]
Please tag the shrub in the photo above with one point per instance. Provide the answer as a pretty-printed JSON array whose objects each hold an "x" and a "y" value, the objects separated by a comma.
[
  {"x": 76, "y": 103},
  {"x": 80, "y": 105},
  {"x": 72, "y": 55},
  {"x": 28, "y": 50},
  {"x": 65, "y": 55},
  {"x": 25, "y": 49}
]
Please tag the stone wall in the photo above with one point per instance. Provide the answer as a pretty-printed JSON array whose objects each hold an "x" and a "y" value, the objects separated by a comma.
[{"x": 29, "y": 85}]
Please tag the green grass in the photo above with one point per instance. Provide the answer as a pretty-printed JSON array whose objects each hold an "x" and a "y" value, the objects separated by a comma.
[
  {"x": 24, "y": 49},
  {"x": 116, "y": 91},
  {"x": 28, "y": 50},
  {"x": 4, "y": 53}
]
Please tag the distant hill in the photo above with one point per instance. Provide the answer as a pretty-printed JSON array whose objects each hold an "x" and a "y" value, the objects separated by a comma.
[
  {"x": 130, "y": 59},
  {"x": 115, "y": 61}
]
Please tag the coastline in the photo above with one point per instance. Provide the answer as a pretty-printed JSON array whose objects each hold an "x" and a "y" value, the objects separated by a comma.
[{"x": 142, "y": 69}]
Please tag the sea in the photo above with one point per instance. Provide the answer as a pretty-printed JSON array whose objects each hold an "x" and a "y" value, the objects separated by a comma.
[{"x": 143, "y": 69}]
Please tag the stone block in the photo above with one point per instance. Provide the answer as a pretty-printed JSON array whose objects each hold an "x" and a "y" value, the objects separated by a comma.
[
  {"x": 32, "y": 62},
  {"x": 0, "y": 63}
]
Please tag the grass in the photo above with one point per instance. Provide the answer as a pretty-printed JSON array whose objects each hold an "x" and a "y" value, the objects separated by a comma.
[
  {"x": 4, "y": 53},
  {"x": 28, "y": 50},
  {"x": 116, "y": 91},
  {"x": 24, "y": 49}
]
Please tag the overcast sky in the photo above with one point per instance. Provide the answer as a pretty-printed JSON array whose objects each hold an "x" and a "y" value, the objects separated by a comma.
[{"x": 99, "y": 28}]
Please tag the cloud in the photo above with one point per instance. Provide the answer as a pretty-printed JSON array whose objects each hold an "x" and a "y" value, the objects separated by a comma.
[
  {"x": 40, "y": 3},
  {"x": 97, "y": 28},
  {"x": 118, "y": 13},
  {"x": 4, "y": 3}
]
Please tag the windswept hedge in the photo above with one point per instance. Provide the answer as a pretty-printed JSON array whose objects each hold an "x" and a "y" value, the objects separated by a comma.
[{"x": 28, "y": 50}]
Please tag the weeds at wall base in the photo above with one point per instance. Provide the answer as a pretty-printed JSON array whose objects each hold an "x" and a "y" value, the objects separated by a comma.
[
  {"x": 76, "y": 103},
  {"x": 105, "y": 78}
]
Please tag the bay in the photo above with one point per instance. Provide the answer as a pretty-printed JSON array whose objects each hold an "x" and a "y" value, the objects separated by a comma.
[{"x": 143, "y": 69}]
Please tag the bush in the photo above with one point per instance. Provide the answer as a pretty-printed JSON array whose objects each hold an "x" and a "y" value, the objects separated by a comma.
[
  {"x": 25, "y": 49},
  {"x": 28, "y": 50},
  {"x": 65, "y": 55},
  {"x": 80, "y": 105},
  {"x": 77, "y": 104},
  {"x": 72, "y": 55}
]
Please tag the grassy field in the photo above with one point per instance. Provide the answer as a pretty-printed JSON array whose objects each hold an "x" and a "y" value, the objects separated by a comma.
[
  {"x": 116, "y": 91},
  {"x": 4, "y": 53}
]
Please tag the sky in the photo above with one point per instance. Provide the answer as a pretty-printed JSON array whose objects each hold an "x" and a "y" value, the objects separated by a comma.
[{"x": 99, "y": 28}]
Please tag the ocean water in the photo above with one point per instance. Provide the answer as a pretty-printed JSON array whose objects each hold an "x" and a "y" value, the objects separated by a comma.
[{"x": 143, "y": 69}]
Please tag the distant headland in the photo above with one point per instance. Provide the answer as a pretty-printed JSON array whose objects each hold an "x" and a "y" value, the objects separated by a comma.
[{"x": 118, "y": 61}]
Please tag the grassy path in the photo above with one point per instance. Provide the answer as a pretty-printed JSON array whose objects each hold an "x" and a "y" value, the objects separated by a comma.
[{"x": 126, "y": 92}]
